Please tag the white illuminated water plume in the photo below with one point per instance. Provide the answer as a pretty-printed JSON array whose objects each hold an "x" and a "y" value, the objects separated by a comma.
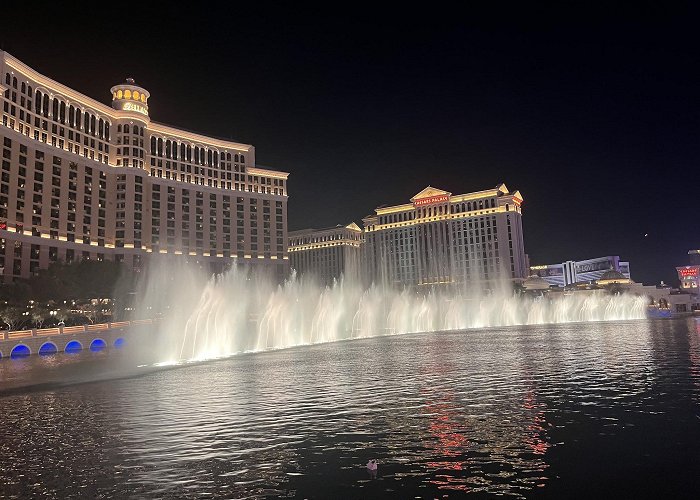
[{"x": 239, "y": 311}]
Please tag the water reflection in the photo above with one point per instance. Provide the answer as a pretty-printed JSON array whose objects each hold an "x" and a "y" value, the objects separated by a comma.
[{"x": 481, "y": 412}]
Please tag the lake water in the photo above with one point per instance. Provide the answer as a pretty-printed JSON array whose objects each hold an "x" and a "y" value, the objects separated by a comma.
[{"x": 561, "y": 411}]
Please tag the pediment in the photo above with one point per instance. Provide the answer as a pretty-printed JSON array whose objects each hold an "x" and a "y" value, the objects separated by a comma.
[{"x": 429, "y": 192}]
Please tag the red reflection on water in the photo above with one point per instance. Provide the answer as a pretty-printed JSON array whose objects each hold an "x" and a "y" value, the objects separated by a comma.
[
  {"x": 535, "y": 440},
  {"x": 449, "y": 441}
]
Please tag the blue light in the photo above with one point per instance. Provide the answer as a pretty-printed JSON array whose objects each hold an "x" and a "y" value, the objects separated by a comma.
[
  {"x": 73, "y": 346},
  {"x": 20, "y": 351},
  {"x": 119, "y": 343},
  {"x": 97, "y": 345},
  {"x": 47, "y": 349}
]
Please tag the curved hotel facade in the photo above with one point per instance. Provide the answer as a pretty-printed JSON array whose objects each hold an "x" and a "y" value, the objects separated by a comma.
[{"x": 82, "y": 180}]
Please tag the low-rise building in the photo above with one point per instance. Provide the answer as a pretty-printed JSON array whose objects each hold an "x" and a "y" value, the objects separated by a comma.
[{"x": 327, "y": 254}]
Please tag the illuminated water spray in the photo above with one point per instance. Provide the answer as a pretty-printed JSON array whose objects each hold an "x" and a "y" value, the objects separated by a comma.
[{"x": 239, "y": 312}]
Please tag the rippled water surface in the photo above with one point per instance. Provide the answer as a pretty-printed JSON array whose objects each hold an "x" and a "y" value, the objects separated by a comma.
[{"x": 577, "y": 410}]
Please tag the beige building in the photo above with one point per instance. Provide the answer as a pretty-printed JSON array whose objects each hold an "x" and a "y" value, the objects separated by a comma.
[
  {"x": 441, "y": 238},
  {"x": 327, "y": 253},
  {"x": 81, "y": 180}
]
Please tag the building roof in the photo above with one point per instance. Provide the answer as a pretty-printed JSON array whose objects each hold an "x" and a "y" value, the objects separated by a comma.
[
  {"x": 612, "y": 275},
  {"x": 535, "y": 283}
]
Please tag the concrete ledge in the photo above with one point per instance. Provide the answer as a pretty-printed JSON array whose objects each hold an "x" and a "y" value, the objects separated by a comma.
[{"x": 81, "y": 337}]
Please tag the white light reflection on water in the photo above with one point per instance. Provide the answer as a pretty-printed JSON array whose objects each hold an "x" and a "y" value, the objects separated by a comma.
[{"x": 498, "y": 411}]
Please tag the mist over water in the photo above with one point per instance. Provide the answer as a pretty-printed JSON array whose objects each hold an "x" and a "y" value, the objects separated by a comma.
[{"x": 243, "y": 311}]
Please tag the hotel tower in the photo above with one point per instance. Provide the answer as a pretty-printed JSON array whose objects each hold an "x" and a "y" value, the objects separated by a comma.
[
  {"x": 83, "y": 180},
  {"x": 440, "y": 238}
]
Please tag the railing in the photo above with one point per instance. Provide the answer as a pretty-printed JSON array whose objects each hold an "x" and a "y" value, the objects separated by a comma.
[{"x": 70, "y": 330}]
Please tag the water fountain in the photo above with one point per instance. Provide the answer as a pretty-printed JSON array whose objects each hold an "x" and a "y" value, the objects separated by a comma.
[{"x": 243, "y": 311}]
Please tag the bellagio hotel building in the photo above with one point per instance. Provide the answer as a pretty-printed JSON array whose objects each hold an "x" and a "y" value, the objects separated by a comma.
[{"x": 82, "y": 180}]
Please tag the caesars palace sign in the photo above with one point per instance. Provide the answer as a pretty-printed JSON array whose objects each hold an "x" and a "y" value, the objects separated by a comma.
[{"x": 431, "y": 199}]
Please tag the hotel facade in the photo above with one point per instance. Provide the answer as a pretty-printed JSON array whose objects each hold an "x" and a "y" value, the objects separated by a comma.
[
  {"x": 444, "y": 239},
  {"x": 327, "y": 254},
  {"x": 83, "y": 180}
]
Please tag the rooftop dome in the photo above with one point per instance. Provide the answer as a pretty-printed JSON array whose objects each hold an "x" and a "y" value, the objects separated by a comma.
[
  {"x": 614, "y": 279},
  {"x": 613, "y": 275},
  {"x": 535, "y": 283}
]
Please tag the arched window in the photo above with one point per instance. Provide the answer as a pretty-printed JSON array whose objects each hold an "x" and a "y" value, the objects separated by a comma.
[
  {"x": 242, "y": 159},
  {"x": 196, "y": 154},
  {"x": 45, "y": 106},
  {"x": 71, "y": 115},
  {"x": 54, "y": 109},
  {"x": 7, "y": 78},
  {"x": 14, "y": 81},
  {"x": 78, "y": 118},
  {"x": 119, "y": 127},
  {"x": 153, "y": 145},
  {"x": 183, "y": 151},
  {"x": 136, "y": 130},
  {"x": 63, "y": 112},
  {"x": 236, "y": 158},
  {"x": 167, "y": 148},
  {"x": 101, "y": 127},
  {"x": 29, "y": 91},
  {"x": 174, "y": 150},
  {"x": 216, "y": 158},
  {"x": 107, "y": 130},
  {"x": 24, "y": 87},
  {"x": 189, "y": 153},
  {"x": 92, "y": 124},
  {"x": 228, "y": 157},
  {"x": 160, "y": 147},
  {"x": 126, "y": 129},
  {"x": 210, "y": 159},
  {"x": 37, "y": 102}
]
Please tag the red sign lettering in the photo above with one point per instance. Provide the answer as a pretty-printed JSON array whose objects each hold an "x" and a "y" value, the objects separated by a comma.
[{"x": 430, "y": 200}]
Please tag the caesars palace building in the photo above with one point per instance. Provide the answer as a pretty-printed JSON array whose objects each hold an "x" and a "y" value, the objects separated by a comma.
[
  {"x": 82, "y": 180},
  {"x": 440, "y": 238}
]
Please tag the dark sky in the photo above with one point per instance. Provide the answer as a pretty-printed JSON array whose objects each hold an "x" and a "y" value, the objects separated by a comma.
[{"x": 594, "y": 116}]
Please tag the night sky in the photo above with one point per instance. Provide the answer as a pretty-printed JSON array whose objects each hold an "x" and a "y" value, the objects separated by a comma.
[{"x": 593, "y": 116}]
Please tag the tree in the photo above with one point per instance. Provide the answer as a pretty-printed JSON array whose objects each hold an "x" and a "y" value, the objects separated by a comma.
[
  {"x": 12, "y": 316},
  {"x": 92, "y": 310},
  {"x": 39, "y": 315}
]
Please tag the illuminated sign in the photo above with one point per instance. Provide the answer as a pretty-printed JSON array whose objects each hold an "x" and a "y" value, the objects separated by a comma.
[
  {"x": 431, "y": 199},
  {"x": 596, "y": 265},
  {"x": 689, "y": 272},
  {"x": 131, "y": 106}
]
